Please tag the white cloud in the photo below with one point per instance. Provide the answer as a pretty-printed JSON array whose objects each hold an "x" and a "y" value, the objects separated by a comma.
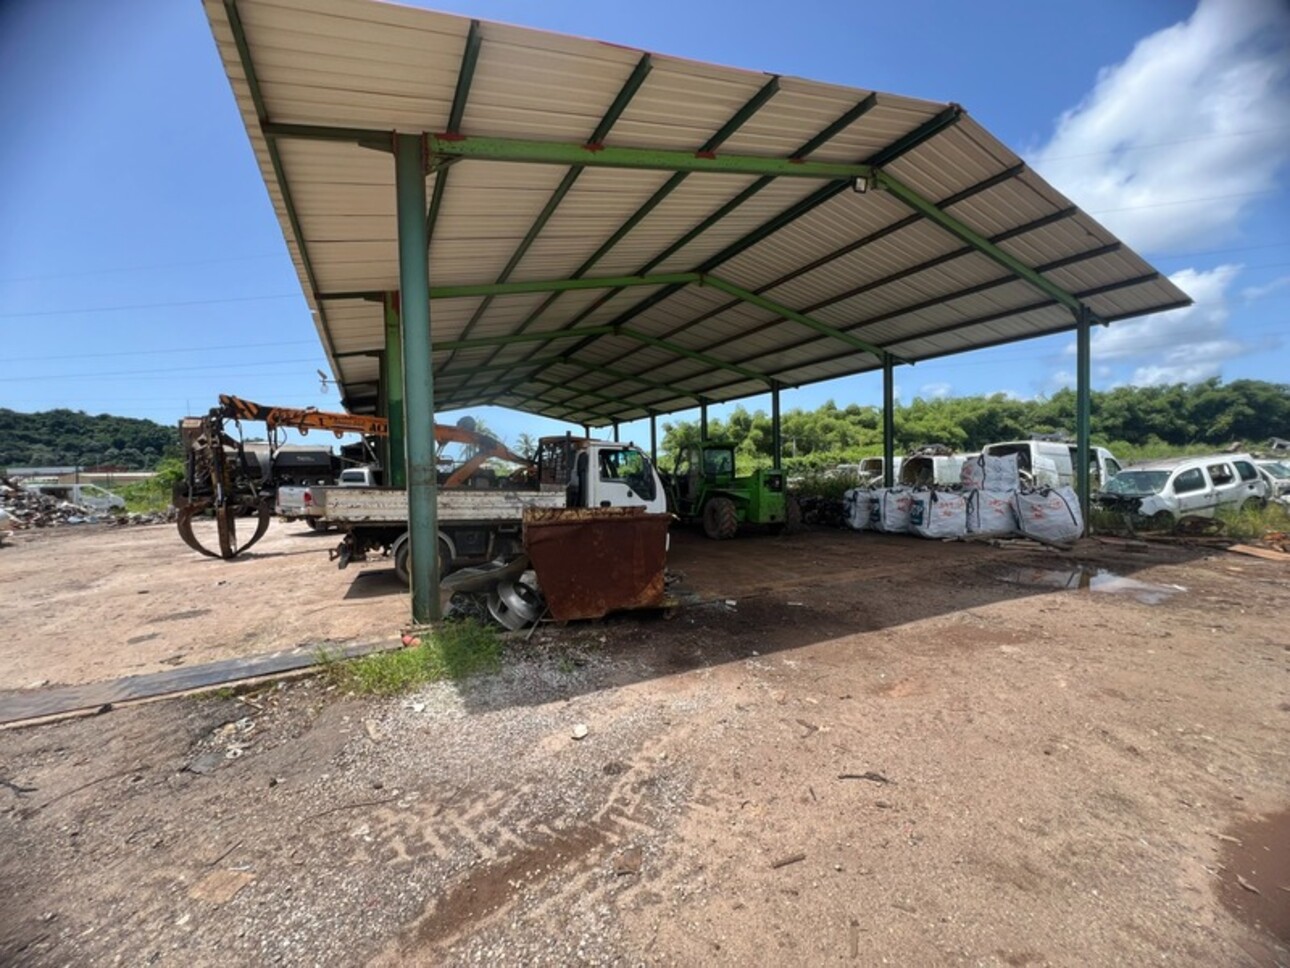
[
  {"x": 1197, "y": 110},
  {"x": 1255, "y": 293},
  {"x": 936, "y": 390},
  {"x": 1060, "y": 380},
  {"x": 1203, "y": 322}
]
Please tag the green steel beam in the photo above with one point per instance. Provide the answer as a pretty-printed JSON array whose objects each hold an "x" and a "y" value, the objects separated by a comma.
[
  {"x": 619, "y": 105},
  {"x": 562, "y": 285},
  {"x": 621, "y": 375},
  {"x": 473, "y": 371},
  {"x": 894, "y": 186},
  {"x": 275, "y": 157},
  {"x": 593, "y": 155},
  {"x": 1083, "y": 410},
  {"x": 733, "y": 124},
  {"x": 465, "y": 78},
  {"x": 787, "y": 313},
  {"x": 888, "y": 422},
  {"x": 924, "y": 132},
  {"x": 545, "y": 337},
  {"x": 663, "y": 344},
  {"x": 392, "y": 394},
  {"x": 414, "y": 288}
]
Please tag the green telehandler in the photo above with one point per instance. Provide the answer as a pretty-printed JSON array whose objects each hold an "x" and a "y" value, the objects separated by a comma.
[{"x": 703, "y": 488}]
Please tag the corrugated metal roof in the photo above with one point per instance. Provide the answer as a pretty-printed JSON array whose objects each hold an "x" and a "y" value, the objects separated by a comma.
[{"x": 867, "y": 265}]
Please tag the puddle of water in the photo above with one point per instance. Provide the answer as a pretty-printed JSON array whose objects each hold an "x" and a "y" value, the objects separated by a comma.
[
  {"x": 1094, "y": 580},
  {"x": 1258, "y": 851}
]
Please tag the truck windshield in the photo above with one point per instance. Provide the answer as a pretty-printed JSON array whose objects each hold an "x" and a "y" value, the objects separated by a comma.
[{"x": 1137, "y": 483}]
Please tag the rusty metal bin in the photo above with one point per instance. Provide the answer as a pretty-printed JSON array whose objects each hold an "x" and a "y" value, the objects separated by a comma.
[{"x": 592, "y": 561}]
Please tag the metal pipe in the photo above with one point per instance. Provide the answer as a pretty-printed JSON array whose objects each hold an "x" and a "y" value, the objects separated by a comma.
[
  {"x": 703, "y": 421},
  {"x": 418, "y": 377},
  {"x": 615, "y": 431},
  {"x": 653, "y": 439},
  {"x": 776, "y": 437},
  {"x": 888, "y": 420},
  {"x": 1083, "y": 410},
  {"x": 392, "y": 394}
]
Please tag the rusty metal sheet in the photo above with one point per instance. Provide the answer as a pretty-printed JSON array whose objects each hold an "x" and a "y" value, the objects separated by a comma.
[{"x": 592, "y": 561}]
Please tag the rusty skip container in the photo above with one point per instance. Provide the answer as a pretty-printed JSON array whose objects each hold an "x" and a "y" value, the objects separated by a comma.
[{"x": 592, "y": 561}]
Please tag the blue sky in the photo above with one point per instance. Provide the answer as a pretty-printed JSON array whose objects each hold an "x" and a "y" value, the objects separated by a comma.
[{"x": 142, "y": 271}]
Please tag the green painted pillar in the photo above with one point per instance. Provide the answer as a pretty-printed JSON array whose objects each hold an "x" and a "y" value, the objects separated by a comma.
[
  {"x": 776, "y": 438},
  {"x": 703, "y": 421},
  {"x": 418, "y": 376},
  {"x": 586, "y": 431},
  {"x": 888, "y": 420},
  {"x": 1083, "y": 409},
  {"x": 393, "y": 454},
  {"x": 653, "y": 438},
  {"x": 615, "y": 431}
]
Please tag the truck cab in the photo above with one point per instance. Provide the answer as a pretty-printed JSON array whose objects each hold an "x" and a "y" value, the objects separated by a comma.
[{"x": 600, "y": 473}]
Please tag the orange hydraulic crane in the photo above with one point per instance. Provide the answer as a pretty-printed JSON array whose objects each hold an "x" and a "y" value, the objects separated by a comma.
[{"x": 218, "y": 479}]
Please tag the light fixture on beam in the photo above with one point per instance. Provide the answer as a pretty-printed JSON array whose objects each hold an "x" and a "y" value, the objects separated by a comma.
[{"x": 860, "y": 184}]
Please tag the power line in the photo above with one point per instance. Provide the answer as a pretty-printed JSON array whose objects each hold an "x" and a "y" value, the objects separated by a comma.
[
  {"x": 186, "y": 349},
  {"x": 1184, "y": 201},
  {"x": 164, "y": 265},
  {"x": 162, "y": 305},
  {"x": 149, "y": 374}
]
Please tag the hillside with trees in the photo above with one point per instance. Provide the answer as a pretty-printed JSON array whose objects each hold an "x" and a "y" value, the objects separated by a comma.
[
  {"x": 71, "y": 437},
  {"x": 1135, "y": 422}
]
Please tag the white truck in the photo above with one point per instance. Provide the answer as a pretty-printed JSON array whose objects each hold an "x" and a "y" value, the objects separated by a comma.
[
  {"x": 1050, "y": 463},
  {"x": 478, "y": 524}
]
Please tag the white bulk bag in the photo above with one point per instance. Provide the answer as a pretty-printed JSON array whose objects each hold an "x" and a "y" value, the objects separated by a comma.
[
  {"x": 891, "y": 509},
  {"x": 988, "y": 473},
  {"x": 1051, "y": 514},
  {"x": 859, "y": 506},
  {"x": 992, "y": 512},
  {"x": 938, "y": 514}
]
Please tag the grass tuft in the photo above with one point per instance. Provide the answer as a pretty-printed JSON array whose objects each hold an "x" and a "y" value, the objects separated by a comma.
[
  {"x": 1254, "y": 523},
  {"x": 454, "y": 650}
]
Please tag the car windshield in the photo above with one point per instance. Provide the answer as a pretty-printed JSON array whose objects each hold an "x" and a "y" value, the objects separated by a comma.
[
  {"x": 1135, "y": 483},
  {"x": 1279, "y": 471}
]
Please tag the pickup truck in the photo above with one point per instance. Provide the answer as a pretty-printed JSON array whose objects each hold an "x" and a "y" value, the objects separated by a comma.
[
  {"x": 480, "y": 523},
  {"x": 295, "y": 503}
]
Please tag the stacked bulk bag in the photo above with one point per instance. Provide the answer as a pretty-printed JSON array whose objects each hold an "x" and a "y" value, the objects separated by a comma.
[
  {"x": 989, "y": 473},
  {"x": 1050, "y": 514},
  {"x": 991, "y": 512},
  {"x": 858, "y": 505},
  {"x": 890, "y": 510},
  {"x": 938, "y": 514}
]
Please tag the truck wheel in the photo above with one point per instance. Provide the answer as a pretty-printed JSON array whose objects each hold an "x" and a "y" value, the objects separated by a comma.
[
  {"x": 792, "y": 522},
  {"x": 403, "y": 554},
  {"x": 720, "y": 521}
]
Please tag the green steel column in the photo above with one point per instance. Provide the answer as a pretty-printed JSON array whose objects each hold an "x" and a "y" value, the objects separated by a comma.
[
  {"x": 394, "y": 453},
  {"x": 776, "y": 438},
  {"x": 653, "y": 439},
  {"x": 888, "y": 420},
  {"x": 418, "y": 376},
  {"x": 586, "y": 431},
  {"x": 382, "y": 410},
  {"x": 703, "y": 420},
  {"x": 615, "y": 431},
  {"x": 1083, "y": 410}
]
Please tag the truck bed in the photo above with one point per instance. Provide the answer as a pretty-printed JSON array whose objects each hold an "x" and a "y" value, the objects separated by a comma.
[{"x": 343, "y": 506}]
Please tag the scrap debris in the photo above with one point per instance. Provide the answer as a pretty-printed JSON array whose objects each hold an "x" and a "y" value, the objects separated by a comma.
[
  {"x": 26, "y": 508},
  {"x": 869, "y": 775}
]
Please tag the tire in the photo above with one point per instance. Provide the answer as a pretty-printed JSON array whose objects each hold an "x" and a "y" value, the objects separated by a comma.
[
  {"x": 315, "y": 525},
  {"x": 720, "y": 520},
  {"x": 1162, "y": 521},
  {"x": 403, "y": 552},
  {"x": 792, "y": 522},
  {"x": 1253, "y": 504}
]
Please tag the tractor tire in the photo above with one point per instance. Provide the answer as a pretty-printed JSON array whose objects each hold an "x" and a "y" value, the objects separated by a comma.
[
  {"x": 720, "y": 520},
  {"x": 792, "y": 522}
]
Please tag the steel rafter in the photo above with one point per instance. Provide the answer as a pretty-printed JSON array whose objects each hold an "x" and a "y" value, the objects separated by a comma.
[
  {"x": 619, "y": 105},
  {"x": 465, "y": 77},
  {"x": 735, "y": 122},
  {"x": 909, "y": 142},
  {"x": 861, "y": 243}
]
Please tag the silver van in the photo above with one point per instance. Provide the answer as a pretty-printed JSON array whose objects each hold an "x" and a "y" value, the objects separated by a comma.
[{"x": 1186, "y": 487}]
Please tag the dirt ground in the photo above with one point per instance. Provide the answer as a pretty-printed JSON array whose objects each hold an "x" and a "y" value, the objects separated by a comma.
[{"x": 867, "y": 749}]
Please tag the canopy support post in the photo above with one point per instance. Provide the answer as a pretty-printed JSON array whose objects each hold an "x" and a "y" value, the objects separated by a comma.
[
  {"x": 776, "y": 437},
  {"x": 392, "y": 394},
  {"x": 418, "y": 377},
  {"x": 888, "y": 420},
  {"x": 1083, "y": 411},
  {"x": 703, "y": 421},
  {"x": 653, "y": 438}
]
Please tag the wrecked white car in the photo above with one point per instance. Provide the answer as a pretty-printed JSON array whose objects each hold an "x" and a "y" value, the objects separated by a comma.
[
  {"x": 1277, "y": 475},
  {"x": 1165, "y": 491}
]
